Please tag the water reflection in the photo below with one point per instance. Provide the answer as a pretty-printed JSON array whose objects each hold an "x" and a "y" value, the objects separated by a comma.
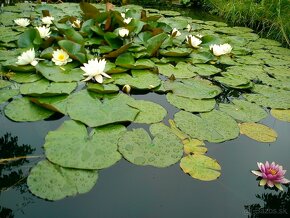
[
  {"x": 274, "y": 205},
  {"x": 13, "y": 168}
]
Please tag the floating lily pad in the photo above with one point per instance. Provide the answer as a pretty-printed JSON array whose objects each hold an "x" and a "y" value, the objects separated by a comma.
[
  {"x": 137, "y": 147},
  {"x": 234, "y": 81},
  {"x": 181, "y": 70},
  {"x": 175, "y": 52},
  {"x": 190, "y": 104},
  {"x": 71, "y": 146},
  {"x": 6, "y": 94},
  {"x": 21, "y": 110},
  {"x": 52, "y": 182},
  {"x": 45, "y": 88},
  {"x": 258, "y": 132},
  {"x": 140, "y": 79},
  {"x": 283, "y": 115},
  {"x": 193, "y": 88},
  {"x": 53, "y": 103},
  {"x": 206, "y": 69},
  {"x": 91, "y": 111},
  {"x": 20, "y": 77},
  {"x": 213, "y": 126},
  {"x": 200, "y": 167},
  {"x": 102, "y": 88},
  {"x": 244, "y": 111},
  {"x": 127, "y": 60},
  {"x": 64, "y": 73},
  {"x": 194, "y": 146},
  {"x": 4, "y": 83}
]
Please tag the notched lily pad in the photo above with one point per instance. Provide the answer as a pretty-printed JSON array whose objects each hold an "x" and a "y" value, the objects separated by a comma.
[
  {"x": 258, "y": 132},
  {"x": 283, "y": 115},
  {"x": 52, "y": 182},
  {"x": 200, "y": 167},
  {"x": 6, "y": 94},
  {"x": 180, "y": 71}
]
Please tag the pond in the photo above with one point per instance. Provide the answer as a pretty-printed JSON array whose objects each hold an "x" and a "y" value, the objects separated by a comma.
[{"x": 204, "y": 98}]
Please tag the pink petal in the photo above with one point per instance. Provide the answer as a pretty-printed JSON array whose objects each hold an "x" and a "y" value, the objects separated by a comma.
[
  {"x": 270, "y": 183},
  {"x": 267, "y": 165},
  {"x": 257, "y": 173},
  {"x": 285, "y": 181}
]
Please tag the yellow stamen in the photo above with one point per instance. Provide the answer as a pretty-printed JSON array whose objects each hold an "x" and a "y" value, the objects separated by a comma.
[
  {"x": 61, "y": 57},
  {"x": 272, "y": 171}
]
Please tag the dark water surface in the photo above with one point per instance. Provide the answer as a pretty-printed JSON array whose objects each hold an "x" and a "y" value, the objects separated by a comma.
[{"x": 129, "y": 191}]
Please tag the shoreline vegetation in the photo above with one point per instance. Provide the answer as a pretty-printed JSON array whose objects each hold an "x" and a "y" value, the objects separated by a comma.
[{"x": 267, "y": 17}]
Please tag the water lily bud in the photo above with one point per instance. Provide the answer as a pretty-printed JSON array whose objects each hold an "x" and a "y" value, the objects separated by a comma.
[
  {"x": 126, "y": 88},
  {"x": 175, "y": 33},
  {"x": 219, "y": 50},
  {"x": 76, "y": 24},
  {"x": 193, "y": 41},
  {"x": 123, "y": 32},
  {"x": 47, "y": 20},
  {"x": 188, "y": 27},
  {"x": 127, "y": 20}
]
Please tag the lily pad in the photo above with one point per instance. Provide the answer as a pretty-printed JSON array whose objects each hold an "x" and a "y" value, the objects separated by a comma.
[
  {"x": 258, "y": 132},
  {"x": 127, "y": 60},
  {"x": 21, "y": 110},
  {"x": 181, "y": 70},
  {"x": 6, "y": 94},
  {"x": 175, "y": 52},
  {"x": 140, "y": 79},
  {"x": 234, "y": 81},
  {"x": 137, "y": 147},
  {"x": 214, "y": 126},
  {"x": 200, "y": 167},
  {"x": 4, "y": 83},
  {"x": 283, "y": 115},
  {"x": 244, "y": 111},
  {"x": 71, "y": 146},
  {"x": 54, "y": 103},
  {"x": 194, "y": 146},
  {"x": 91, "y": 111},
  {"x": 45, "y": 88},
  {"x": 193, "y": 88},
  {"x": 190, "y": 104},
  {"x": 102, "y": 88},
  {"x": 52, "y": 182},
  {"x": 20, "y": 77},
  {"x": 205, "y": 69}
]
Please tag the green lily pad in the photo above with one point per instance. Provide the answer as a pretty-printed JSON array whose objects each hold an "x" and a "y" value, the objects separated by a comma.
[
  {"x": 21, "y": 110},
  {"x": 102, "y": 88},
  {"x": 4, "y": 83},
  {"x": 181, "y": 70},
  {"x": 91, "y": 111},
  {"x": 138, "y": 148},
  {"x": 190, "y": 104},
  {"x": 27, "y": 77},
  {"x": 6, "y": 94},
  {"x": 244, "y": 111},
  {"x": 283, "y": 115},
  {"x": 64, "y": 73},
  {"x": 45, "y": 88},
  {"x": 194, "y": 146},
  {"x": 52, "y": 182},
  {"x": 97, "y": 150},
  {"x": 54, "y": 103},
  {"x": 234, "y": 81},
  {"x": 127, "y": 60},
  {"x": 205, "y": 69},
  {"x": 175, "y": 52},
  {"x": 258, "y": 132},
  {"x": 193, "y": 88},
  {"x": 200, "y": 167},
  {"x": 214, "y": 126},
  {"x": 140, "y": 79}
]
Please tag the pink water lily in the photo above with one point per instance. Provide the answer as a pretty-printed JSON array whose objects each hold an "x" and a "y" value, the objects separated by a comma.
[{"x": 271, "y": 174}]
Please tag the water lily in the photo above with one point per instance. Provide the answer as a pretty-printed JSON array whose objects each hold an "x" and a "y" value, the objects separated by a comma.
[
  {"x": 127, "y": 20},
  {"x": 188, "y": 27},
  {"x": 27, "y": 57},
  {"x": 123, "y": 32},
  {"x": 60, "y": 57},
  {"x": 22, "y": 22},
  {"x": 44, "y": 32},
  {"x": 76, "y": 24},
  {"x": 193, "y": 41},
  {"x": 199, "y": 36},
  {"x": 271, "y": 174},
  {"x": 219, "y": 50},
  {"x": 123, "y": 15},
  {"x": 47, "y": 20},
  {"x": 126, "y": 88},
  {"x": 175, "y": 32},
  {"x": 95, "y": 69}
]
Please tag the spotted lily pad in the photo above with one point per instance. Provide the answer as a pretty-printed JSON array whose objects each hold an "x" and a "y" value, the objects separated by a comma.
[
  {"x": 213, "y": 126},
  {"x": 190, "y": 104},
  {"x": 283, "y": 115},
  {"x": 71, "y": 146},
  {"x": 200, "y": 167},
  {"x": 244, "y": 111},
  {"x": 21, "y": 110},
  {"x": 181, "y": 70},
  {"x": 137, "y": 147},
  {"x": 45, "y": 88},
  {"x": 194, "y": 146},
  {"x": 193, "y": 88},
  {"x": 91, "y": 111},
  {"x": 52, "y": 182},
  {"x": 258, "y": 132}
]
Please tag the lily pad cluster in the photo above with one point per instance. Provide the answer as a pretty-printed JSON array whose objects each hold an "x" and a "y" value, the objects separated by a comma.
[{"x": 222, "y": 81}]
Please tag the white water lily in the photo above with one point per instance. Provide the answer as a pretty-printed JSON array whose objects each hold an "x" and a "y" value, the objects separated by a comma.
[
  {"x": 44, "y": 32},
  {"x": 76, "y": 24},
  {"x": 188, "y": 27},
  {"x": 60, "y": 57},
  {"x": 193, "y": 41},
  {"x": 123, "y": 32},
  {"x": 27, "y": 57},
  {"x": 95, "y": 69},
  {"x": 199, "y": 36},
  {"x": 22, "y": 22},
  {"x": 126, "y": 88},
  {"x": 123, "y": 15},
  {"x": 47, "y": 20},
  {"x": 127, "y": 20},
  {"x": 175, "y": 32},
  {"x": 222, "y": 49}
]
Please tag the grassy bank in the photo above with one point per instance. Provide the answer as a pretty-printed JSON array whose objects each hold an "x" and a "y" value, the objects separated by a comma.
[{"x": 268, "y": 17}]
